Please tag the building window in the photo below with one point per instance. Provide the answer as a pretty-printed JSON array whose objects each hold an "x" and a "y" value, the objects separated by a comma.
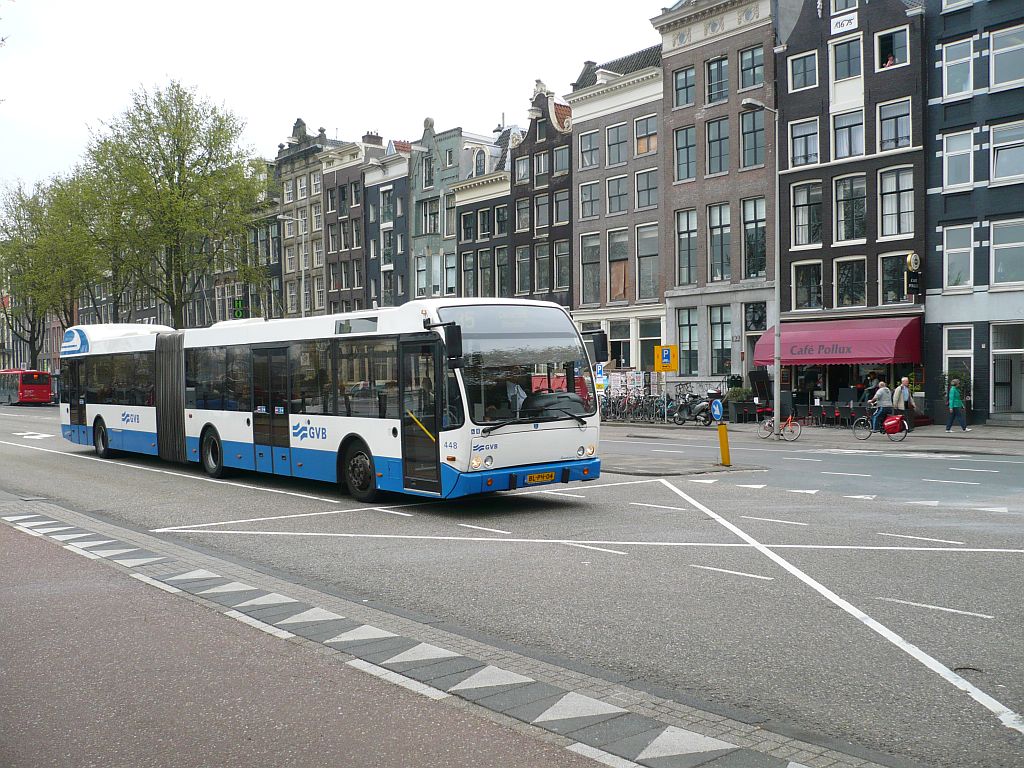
[
  {"x": 302, "y": 184},
  {"x": 803, "y": 142},
  {"x": 896, "y": 188},
  {"x": 590, "y": 200},
  {"x": 755, "y": 316},
  {"x": 289, "y": 227},
  {"x": 483, "y": 224},
  {"x": 752, "y": 137},
  {"x": 807, "y": 285},
  {"x": 523, "y": 214},
  {"x": 1008, "y": 152},
  {"x": 318, "y": 217},
  {"x": 957, "y": 69},
  {"x": 649, "y": 336},
  {"x": 561, "y": 160},
  {"x": 480, "y": 163},
  {"x": 718, "y": 145},
  {"x": 958, "y": 352},
  {"x": 523, "y": 170},
  {"x": 590, "y": 269},
  {"x": 467, "y": 231},
  {"x": 562, "y": 206},
  {"x": 893, "y": 271},
  {"x": 717, "y": 80},
  {"x": 332, "y": 199},
  {"x": 755, "y": 256},
  {"x": 848, "y": 135},
  {"x": 428, "y": 172},
  {"x": 451, "y": 277},
  {"x": 318, "y": 292},
  {"x": 502, "y": 272},
  {"x": 485, "y": 262},
  {"x": 589, "y": 152},
  {"x": 421, "y": 275},
  {"x": 957, "y": 166},
  {"x": 618, "y": 264},
  {"x": 618, "y": 194},
  {"x": 851, "y": 282},
  {"x": 541, "y": 212},
  {"x": 958, "y": 251},
  {"x": 315, "y": 176},
  {"x": 846, "y": 59},
  {"x": 838, "y": 6},
  {"x": 891, "y": 49},
  {"x": 501, "y": 221},
  {"x": 719, "y": 240},
  {"x": 523, "y": 269},
  {"x": 685, "y": 87},
  {"x": 617, "y": 144},
  {"x": 752, "y": 67},
  {"x": 542, "y": 129},
  {"x": 357, "y": 193},
  {"x": 647, "y": 261},
  {"x": 894, "y": 125},
  {"x": 645, "y": 130},
  {"x": 686, "y": 153},
  {"x": 646, "y": 188},
  {"x": 688, "y": 345},
  {"x": 318, "y": 253},
  {"x": 1008, "y": 252},
  {"x": 803, "y": 71},
  {"x": 289, "y": 195},
  {"x": 542, "y": 267},
  {"x": 430, "y": 216},
  {"x": 721, "y": 339},
  {"x": 469, "y": 274},
  {"x": 619, "y": 335},
  {"x": 851, "y": 208},
  {"x": 807, "y": 214},
  {"x": 293, "y": 302},
  {"x": 563, "y": 265},
  {"x": 1008, "y": 57},
  {"x": 540, "y": 169},
  {"x": 686, "y": 247},
  {"x": 332, "y": 238},
  {"x": 449, "y": 215}
]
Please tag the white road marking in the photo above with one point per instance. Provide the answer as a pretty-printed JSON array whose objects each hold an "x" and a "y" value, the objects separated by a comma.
[
  {"x": 952, "y": 482},
  {"x": 260, "y": 625},
  {"x": 847, "y": 474},
  {"x": 32, "y": 435},
  {"x": 866, "y": 497},
  {"x": 924, "y": 503},
  {"x": 969, "y": 469},
  {"x": 600, "y": 756},
  {"x": 798, "y": 458},
  {"x": 481, "y": 528},
  {"x": 793, "y": 490},
  {"x": 1006, "y": 716},
  {"x": 755, "y": 487},
  {"x": 662, "y": 450},
  {"x": 919, "y": 538},
  {"x": 706, "y": 482},
  {"x": 82, "y": 552},
  {"x": 597, "y": 549},
  {"x": 990, "y": 461},
  {"x": 563, "y": 493},
  {"x": 734, "y": 573},
  {"x": 993, "y": 509},
  {"x": 657, "y": 506},
  {"x": 591, "y": 484},
  {"x": 393, "y": 677},
  {"x": 935, "y": 607},
  {"x": 154, "y": 583},
  {"x": 773, "y": 520},
  {"x": 174, "y": 528}
]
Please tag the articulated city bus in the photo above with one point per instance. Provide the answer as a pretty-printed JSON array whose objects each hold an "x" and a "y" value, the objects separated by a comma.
[
  {"x": 440, "y": 398},
  {"x": 19, "y": 387}
]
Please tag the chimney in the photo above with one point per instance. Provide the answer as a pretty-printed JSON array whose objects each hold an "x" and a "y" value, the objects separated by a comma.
[{"x": 371, "y": 137}]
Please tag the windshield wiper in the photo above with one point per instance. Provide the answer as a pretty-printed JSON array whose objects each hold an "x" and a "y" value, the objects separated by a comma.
[
  {"x": 500, "y": 424},
  {"x": 579, "y": 419}
]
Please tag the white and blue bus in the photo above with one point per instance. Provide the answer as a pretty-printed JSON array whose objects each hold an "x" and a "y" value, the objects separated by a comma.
[{"x": 439, "y": 398}]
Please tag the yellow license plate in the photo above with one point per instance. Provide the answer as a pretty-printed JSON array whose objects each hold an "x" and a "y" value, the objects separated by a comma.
[{"x": 540, "y": 477}]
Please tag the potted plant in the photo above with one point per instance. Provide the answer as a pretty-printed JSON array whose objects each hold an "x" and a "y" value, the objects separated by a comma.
[{"x": 736, "y": 397}]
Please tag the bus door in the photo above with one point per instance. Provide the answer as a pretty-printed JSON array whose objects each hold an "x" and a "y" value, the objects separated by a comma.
[
  {"x": 270, "y": 410},
  {"x": 418, "y": 376},
  {"x": 75, "y": 384}
]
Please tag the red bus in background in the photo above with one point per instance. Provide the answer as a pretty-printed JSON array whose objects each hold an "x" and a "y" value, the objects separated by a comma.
[{"x": 18, "y": 387}]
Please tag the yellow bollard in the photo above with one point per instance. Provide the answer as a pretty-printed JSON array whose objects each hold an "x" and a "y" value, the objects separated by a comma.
[{"x": 723, "y": 444}]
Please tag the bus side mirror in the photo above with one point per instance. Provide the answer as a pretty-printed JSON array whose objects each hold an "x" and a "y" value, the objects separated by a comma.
[
  {"x": 453, "y": 345},
  {"x": 600, "y": 339}
]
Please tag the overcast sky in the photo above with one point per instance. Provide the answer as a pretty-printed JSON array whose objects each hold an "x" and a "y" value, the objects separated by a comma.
[{"x": 348, "y": 66}]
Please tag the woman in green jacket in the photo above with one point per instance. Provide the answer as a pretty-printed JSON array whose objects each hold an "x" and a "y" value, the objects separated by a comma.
[{"x": 956, "y": 407}]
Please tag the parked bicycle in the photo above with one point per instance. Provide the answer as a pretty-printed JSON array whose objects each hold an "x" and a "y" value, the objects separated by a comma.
[
  {"x": 894, "y": 426},
  {"x": 790, "y": 431}
]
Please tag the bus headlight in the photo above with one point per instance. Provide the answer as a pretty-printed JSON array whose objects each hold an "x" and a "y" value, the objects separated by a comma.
[
  {"x": 591, "y": 449},
  {"x": 488, "y": 462},
  {"x": 475, "y": 462},
  {"x": 580, "y": 452}
]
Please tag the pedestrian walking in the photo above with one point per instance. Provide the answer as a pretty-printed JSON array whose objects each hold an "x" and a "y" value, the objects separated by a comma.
[
  {"x": 883, "y": 399},
  {"x": 955, "y": 402},
  {"x": 903, "y": 403}
]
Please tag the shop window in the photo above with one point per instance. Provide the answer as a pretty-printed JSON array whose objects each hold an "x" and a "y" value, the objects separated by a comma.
[
  {"x": 619, "y": 343},
  {"x": 851, "y": 282},
  {"x": 807, "y": 285},
  {"x": 893, "y": 271},
  {"x": 649, "y": 338}
]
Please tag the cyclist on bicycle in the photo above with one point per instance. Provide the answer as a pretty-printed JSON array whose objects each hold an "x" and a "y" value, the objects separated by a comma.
[{"x": 883, "y": 399}]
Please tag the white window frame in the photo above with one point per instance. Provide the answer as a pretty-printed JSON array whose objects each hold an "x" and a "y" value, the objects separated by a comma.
[
  {"x": 589, "y": 184},
  {"x": 657, "y": 130},
  {"x": 541, "y": 166},
  {"x": 289, "y": 190},
  {"x": 859, "y": 37},
  {"x": 946, "y": 155},
  {"x": 835, "y": 282},
  {"x": 946, "y": 96},
  {"x": 1016, "y": 284},
  {"x": 792, "y": 215},
  {"x": 608, "y": 197},
  {"x": 315, "y": 183},
  {"x": 832, "y": 134},
  {"x": 993, "y": 85},
  {"x": 792, "y": 283},
  {"x": 955, "y": 5},
  {"x": 832, "y": 7},
  {"x": 521, "y": 162},
  {"x": 835, "y": 209},
  {"x": 301, "y": 184},
  {"x": 789, "y": 71},
  {"x": 878, "y": 39},
  {"x": 948, "y": 353},
  {"x": 994, "y": 180},
  {"x": 607, "y": 145},
  {"x": 878, "y": 123},
  {"x": 881, "y": 283},
  {"x": 579, "y": 146},
  {"x": 817, "y": 130},
  {"x": 881, "y": 212},
  {"x": 636, "y": 188},
  {"x": 967, "y": 287}
]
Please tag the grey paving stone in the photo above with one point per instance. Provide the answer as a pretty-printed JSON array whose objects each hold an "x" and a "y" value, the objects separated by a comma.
[
  {"x": 747, "y": 758},
  {"x": 198, "y": 585},
  {"x": 614, "y": 729},
  {"x": 322, "y": 630},
  {"x": 379, "y": 651},
  {"x": 438, "y": 668},
  {"x": 571, "y": 724},
  {"x": 701, "y": 759},
  {"x": 633, "y": 745},
  {"x": 271, "y": 614},
  {"x": 531, "y": 698},
  {"x": 231, "y": 599}
]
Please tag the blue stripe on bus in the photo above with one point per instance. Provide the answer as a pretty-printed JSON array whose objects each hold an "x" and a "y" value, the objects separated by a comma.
[
  {"x": 133, "y": 441},
  {"x": 468, "y": 483},
  {"x": 315, "y": 465}
]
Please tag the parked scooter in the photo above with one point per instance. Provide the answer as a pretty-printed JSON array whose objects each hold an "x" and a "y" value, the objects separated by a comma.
[{"x": 695, "y": 408}]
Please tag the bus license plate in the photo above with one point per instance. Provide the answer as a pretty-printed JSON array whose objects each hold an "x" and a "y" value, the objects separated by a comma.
[{"x": 540, "y": 477}]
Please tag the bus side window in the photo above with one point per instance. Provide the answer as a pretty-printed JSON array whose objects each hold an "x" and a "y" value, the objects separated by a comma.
[{"x": 237, "y": 391}]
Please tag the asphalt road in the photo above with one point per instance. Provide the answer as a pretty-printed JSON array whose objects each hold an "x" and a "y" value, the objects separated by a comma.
[{"x": 891, "y": 624}]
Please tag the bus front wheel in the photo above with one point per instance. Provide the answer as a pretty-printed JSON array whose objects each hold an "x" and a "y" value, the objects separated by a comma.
[
  {"x": 359, "y": 472},
  {"x": 212, "y": 454},
  {"x": 101, "y": 440}
]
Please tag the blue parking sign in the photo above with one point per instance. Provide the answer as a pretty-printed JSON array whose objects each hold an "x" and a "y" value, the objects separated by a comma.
[
  {"x": 716, "y": 410},
  {"x": 666, "y": 356}
]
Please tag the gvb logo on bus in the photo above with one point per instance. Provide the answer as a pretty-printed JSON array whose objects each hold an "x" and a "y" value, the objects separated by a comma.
[
  {"x": 129, "y": 418},
  {"x": 302, "y": 431}
]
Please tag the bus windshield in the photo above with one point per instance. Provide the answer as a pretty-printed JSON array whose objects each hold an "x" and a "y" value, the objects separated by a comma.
[{"x": 522, "y": 361}]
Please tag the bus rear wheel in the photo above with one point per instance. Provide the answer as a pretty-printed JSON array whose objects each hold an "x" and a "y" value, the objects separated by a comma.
[
  {"x": 212, "y": 454},
  {"x": 101, "y": 440},
  {"x": 359, "y": 473}
]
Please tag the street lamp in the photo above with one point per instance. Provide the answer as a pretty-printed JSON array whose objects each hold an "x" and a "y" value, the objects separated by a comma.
[
  {"x": 749, "y": 103},
  {"x": 302, "y": 266}
]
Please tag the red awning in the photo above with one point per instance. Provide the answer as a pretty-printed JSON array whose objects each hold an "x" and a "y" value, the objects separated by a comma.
[{"x": 841, "y": 342}]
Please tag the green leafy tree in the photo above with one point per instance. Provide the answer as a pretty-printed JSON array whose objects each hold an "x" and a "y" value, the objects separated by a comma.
[
  {"x": 26, "y": 291},
  {"x": 189, "y": 192}
]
